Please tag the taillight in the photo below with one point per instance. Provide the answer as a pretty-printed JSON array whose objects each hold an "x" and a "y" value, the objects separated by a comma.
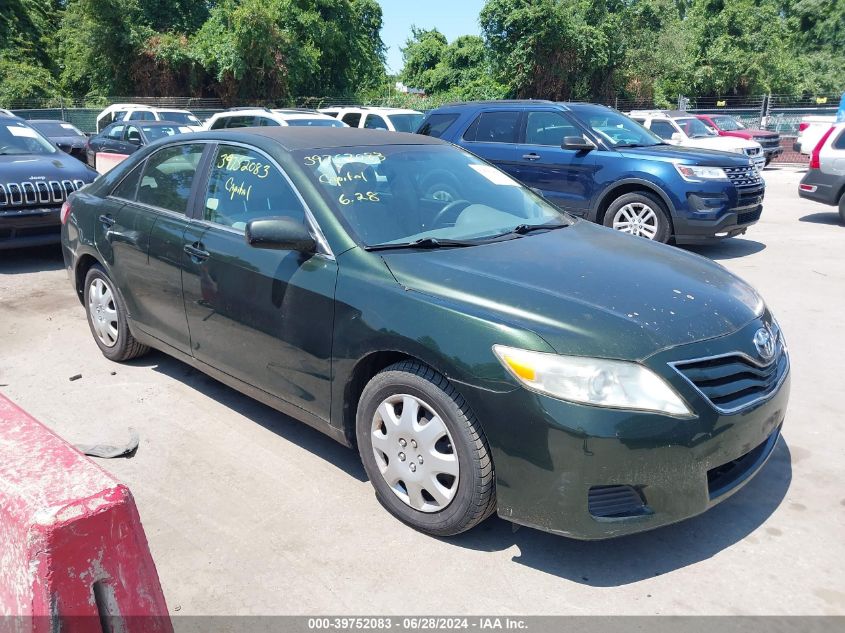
[
  {"x": 65, "y": 212},
  {"x": 815, "y": 163},
  {"x": 803, "y": 126}
]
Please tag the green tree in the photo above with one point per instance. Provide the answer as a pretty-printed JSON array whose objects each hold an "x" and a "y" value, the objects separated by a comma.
[{"x": 421, "y": 54}]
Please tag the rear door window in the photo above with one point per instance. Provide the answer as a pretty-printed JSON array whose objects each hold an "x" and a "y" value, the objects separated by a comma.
[
  {"x": 116, "y": 132},
  {"x": 128, "y": 187},
  {"x": 437, "y": 124},
  {"x": 494, "y": 127},
  {"x": 352, "y": 119},
  {"x": 169, "y": 175}
]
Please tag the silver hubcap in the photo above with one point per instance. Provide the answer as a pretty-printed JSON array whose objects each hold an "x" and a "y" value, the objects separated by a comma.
[
  {"x": 415, "y": 453},
  {"x": 637, "y": 219},
  {"x": 103, "y": 313}
]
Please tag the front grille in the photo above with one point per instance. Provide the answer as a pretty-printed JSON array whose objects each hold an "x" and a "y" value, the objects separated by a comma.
[
  {"x": 37, "y": 193},
  {"x": 750, "y": 216},
  {"x": 616, "y": 502},
  {"x": 769, "y": 142},
  {"x": 735, "y": 381},
  {"x": 744, "y": 177}
]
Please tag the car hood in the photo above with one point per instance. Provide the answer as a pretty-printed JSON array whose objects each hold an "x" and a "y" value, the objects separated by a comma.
[
  {"x": 686, "y": 155},
  {"x": 58, "y": 166},
  {"x": 586, "y": 290}
]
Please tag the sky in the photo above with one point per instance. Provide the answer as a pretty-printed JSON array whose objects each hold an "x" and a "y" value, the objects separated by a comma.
[{"x": 451, "y": 17}]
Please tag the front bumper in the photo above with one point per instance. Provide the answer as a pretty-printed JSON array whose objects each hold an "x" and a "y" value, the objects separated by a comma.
[
  {"x": 818, "y": 186},
  {"x": 25, "y": 227},
  {"x": 553, "y": 458}
]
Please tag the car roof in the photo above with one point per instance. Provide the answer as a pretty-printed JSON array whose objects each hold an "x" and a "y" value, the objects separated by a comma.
[
  {"x": 373, "y": 109},
  {"x": 294, "y": 138},
  {"x": 521, "y": 103}
]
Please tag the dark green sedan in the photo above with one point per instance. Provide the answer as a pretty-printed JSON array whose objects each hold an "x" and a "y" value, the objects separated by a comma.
[{"x": 484, "y": 353}]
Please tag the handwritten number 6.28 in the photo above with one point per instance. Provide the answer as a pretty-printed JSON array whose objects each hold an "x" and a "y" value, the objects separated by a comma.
[{"x": 369, "y": 196}]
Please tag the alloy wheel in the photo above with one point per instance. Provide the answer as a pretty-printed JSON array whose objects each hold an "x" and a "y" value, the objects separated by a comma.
[
  {"x": 103, "y": 312},
  {"x": 637, "y": 218},
  {"x": 415, "y": 453}
]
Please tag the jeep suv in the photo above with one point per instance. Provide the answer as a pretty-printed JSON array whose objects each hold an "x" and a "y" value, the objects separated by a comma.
[
  {"x": 35, "y": 179},
  {"x": 598, "y": 164}
]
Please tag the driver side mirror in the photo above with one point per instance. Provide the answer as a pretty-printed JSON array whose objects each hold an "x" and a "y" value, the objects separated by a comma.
[
  {"x": 281, "y": 234},
  {"x": 135, "y": 139},
  {"x": 577, "y": 143}
]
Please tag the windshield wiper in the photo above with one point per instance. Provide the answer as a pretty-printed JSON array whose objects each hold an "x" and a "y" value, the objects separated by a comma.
[
  {"x": 426, "y": 242},
  {"x": 524, "y": 229}
]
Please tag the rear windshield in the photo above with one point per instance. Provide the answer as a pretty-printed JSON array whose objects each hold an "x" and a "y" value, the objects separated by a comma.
[
  {"x": 56, "y": 128},
  {"x": 437, "y": 124},
  {"x": 406, "y": 122},
  {"x": 16, "y": 137},
  {"x": 314, "y": 123}
]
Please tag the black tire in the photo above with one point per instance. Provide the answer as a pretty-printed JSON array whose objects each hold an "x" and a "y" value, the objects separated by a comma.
[
  {"x": 125, "y": 347},
  {"x": 842, "y": 209},
  {"x": 475, "y": 497},
  {"x": 663, "y": 224}
]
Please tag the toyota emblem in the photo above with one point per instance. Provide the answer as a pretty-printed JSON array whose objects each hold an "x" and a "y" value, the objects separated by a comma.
[{"x": 764, "y": 341}]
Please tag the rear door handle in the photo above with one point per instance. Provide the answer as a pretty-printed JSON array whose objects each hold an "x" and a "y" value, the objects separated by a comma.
[
  {"x": 107, "y": 220},
  {"x": 196, "y": 252},
  {"x": 531, "y": 156}
]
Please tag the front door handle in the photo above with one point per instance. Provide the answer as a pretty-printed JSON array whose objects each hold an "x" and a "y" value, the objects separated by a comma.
[
  {"x": 107, "y": 220},
  {"x": 196, "y": 252},
  {"x": 531, "y": 156}
]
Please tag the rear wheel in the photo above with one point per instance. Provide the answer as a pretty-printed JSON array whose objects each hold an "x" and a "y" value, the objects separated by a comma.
[
  {"x": 107, "y": 318},
  {"x": 424, "y": 451},
  {"x": 842, "y": 209},
  {"x": 641, "y": 214}
]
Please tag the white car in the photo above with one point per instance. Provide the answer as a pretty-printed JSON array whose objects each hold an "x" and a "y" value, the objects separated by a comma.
[
  {"x": 393, "y": 119},
  {"x": 810, "y": 131},
  {"x": 264, "y": 117},
  {"x": 687, "y": 130},
  {"x": 825, "y": 178},
  {"x": 138, "y": 112}
]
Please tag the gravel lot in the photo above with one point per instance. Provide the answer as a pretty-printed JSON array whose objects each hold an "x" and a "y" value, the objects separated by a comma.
[{"x": 250, "y": 512}]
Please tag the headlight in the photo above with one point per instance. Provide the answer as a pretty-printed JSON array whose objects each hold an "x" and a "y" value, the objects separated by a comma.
[
  {"x": 694, "y": 173},
  {"x": 594, "y": 381}
]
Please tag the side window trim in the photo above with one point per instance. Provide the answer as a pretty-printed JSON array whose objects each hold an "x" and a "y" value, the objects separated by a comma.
[{"x": 195, "y": 205}]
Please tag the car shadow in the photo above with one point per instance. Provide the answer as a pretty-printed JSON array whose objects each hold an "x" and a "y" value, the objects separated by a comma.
[
  {"x": 822, "y": 218},
  {"x": 31, "y": 260},
  {"x": 282, "y": 425},
  {"x": 727, "y": 249},
  {"x": 629, "y": 559}
]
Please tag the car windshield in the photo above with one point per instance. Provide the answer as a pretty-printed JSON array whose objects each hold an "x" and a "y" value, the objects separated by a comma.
[
  {"x": 185, "y": 118},
  {"x": 615, "y": 128},
  {"x": 695, "y": 128},
  {"x": 18, "y": 138},
  {"x": 56, "y": 128},
  {"x": 406, "y": 122},
  {"x": 401, "y": 194},
  {"x": 155, "y": 132},
  {"x": 315, "y": 123},
  {"x": 727, "y": 123}
]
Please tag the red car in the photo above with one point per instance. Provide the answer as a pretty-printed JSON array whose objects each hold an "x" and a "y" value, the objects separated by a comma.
[{"x": 728, "y": 126}]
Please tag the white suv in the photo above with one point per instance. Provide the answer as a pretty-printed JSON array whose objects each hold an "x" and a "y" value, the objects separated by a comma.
[
  {"x": 687, "y": 130},
  {"x": 825, "y": 178},
  {"x": 393, "y": 119},
  {"x": 137, "y": 112},
  {"x": 264, "y": 117}
]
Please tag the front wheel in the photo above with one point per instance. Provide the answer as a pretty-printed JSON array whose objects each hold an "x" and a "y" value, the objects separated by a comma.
[
  {"x": 641, "y": 214},
  {"x": 107, "y": 318},
  {"x": 424, "y": 451}
]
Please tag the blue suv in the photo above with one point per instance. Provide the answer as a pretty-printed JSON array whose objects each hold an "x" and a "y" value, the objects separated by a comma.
[{"x": 598, "y": 164}]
